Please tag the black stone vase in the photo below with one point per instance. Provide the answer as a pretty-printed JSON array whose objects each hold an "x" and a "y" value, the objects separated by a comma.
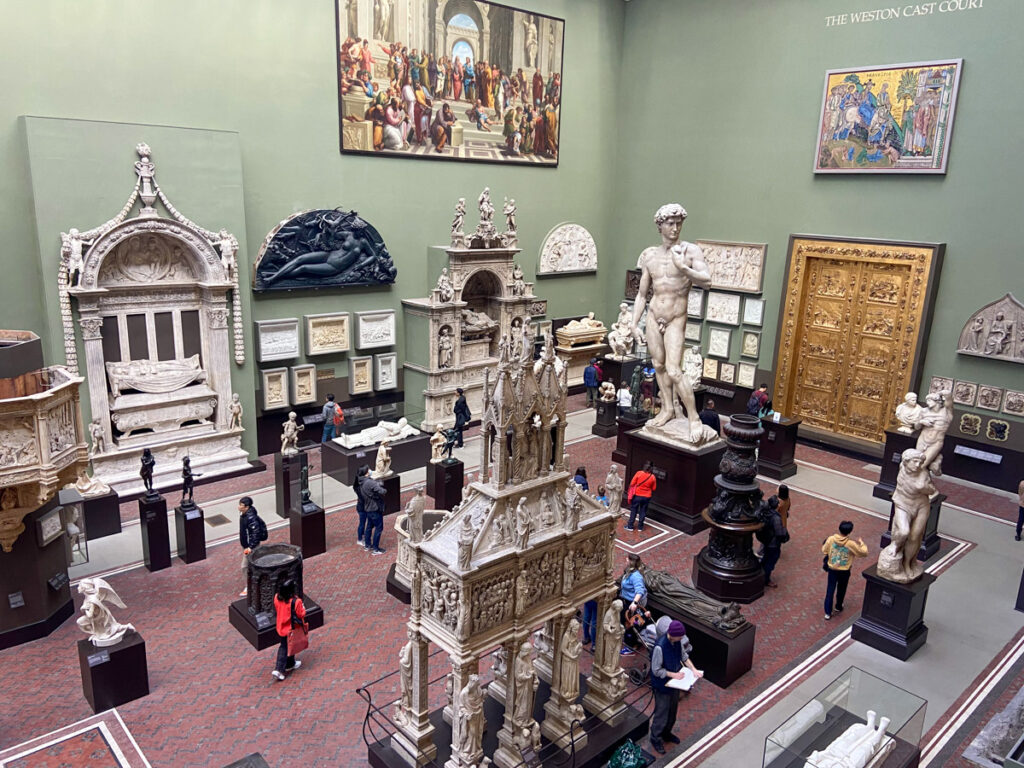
[{"x": 726, "y": 568}]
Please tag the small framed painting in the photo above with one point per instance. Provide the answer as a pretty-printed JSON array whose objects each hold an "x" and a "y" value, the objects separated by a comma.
[
  {"x": 360, "y": 375},
  {"x": 49, "y": 527},
  {"x": 692, "y": 332},
  {"x": 745, "y": 374},
  {"x": 710, "y": 368},
  {"x": 275, "y": 388},
  {"x": 719, "y": 341},
  {"x": 723, "y": 308},
  {"x": 386, "y": 371},
  {"x": 990, "y": 398},
  {"x": 751, "y": 346},
  {"x": 695, "y": 303},
  {"x": 727, "y": 373},
  {"x": 303, "y": 384},
  {"x": 965, "y": 393},
  {"x": 753, "y": 311}
]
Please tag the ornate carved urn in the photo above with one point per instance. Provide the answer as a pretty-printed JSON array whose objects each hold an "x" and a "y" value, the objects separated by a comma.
[
  {"x": 726, "y": 569},
  {"x": 269, "y": 565}
]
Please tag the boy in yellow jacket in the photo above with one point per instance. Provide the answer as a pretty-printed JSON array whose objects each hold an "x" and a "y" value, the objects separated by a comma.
[{"x": 839, "y": 550}]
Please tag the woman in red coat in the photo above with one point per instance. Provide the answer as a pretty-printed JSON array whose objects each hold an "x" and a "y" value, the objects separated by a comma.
[{"x": 286, "y": 605}]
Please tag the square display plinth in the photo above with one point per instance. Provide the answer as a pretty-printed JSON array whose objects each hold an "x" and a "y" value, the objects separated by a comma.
[
  {"x": 307, "y": 530},
  {"x": 342, "y": 463},
  {"x": 156, "y": 535},
  {"x": 892, "y": 619},
  {"x": 190, "y": 533},
  {"x": 102, "y": 515},
  {"x": 260, "y": 630},
  {"x": 605, "y": 420},
  {"x": 115, "y": 674},
  {"x": 444, "y": 483}
]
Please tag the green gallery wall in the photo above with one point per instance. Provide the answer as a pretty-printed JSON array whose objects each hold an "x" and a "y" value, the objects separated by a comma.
[{"x": 712, "y": 104}]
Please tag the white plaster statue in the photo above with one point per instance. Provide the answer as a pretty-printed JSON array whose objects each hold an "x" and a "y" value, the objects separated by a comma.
[
  {"x": 588, "y": 323},
  {"x": 290, "y": 435},
  {"x": 414, "y": 515},
  {"x": 855, "y": 748},
  {"x": 523, "y": 525},
  {"x": 235, "y": 408},
  {"x": 71, "y": 254},
  {"x": 526, "y": 686},
  {"x": 445, "y": 289},
  {"x": 693, "y": 364},
  {"x": 573, "y": 506},
  {"x": 569, "y": 662},
  {"x": 437, "y": 441},
  {"x": 522, "y": 593},
  {"x": 476, "y": 323},
  {"x": 89, "y": 486},
  {"x": 613, "y": 487},
  {"x": 611, "y": 636},
  {"x": 404, "y": 705},
  {"x": 99, "y": 439},
  {"x": 228, "y": 247},
  {"x": 623, "y": 335},
  {"x": 908, "y": 412},
  {"x": 509, "y": 210},
  {"x": 445, "y": 349},
  {"x": 97, "y": 621},
  {"x": 466, "y": 537},
  {"x": 470, "y": 719},
  {"x": 518, "y": 282},
  {"x": 76, "y": 536},
  {"x": 531, "y": 40},
  {"x": 382, "y": 466},
  {"x": 486, "y": 208},
  {"x": 911, "y": 503},
  {"x": 671, "y": 269},
  {"x": 934, "y": 423},
  {"x": 607, "y": 392},
  {"x": 458, "y": 236},
  {"x": 384, "y": 430}
]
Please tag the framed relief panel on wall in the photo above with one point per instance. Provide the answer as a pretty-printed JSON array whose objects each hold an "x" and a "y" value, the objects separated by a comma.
[
  {"x": 753, "y": 311},
  {"x": 360, "y": 375},
  {"x": 745, "y": 374},
  {"x": 375, "y": 329},
  {"x": 965, "y": 393},
  {"x": 940, "y": 384},
  {"x": 723, "y": 308},
  {"x": 719, "y": 340},
  {"x": 275, "y": 388},
  {"x": 990, "y": 398},
  {"x": 692, "y": 332},
  {"x": 277, "y": 339},
  {"x": 710, "y": 368},
  {"x": 727, "y": 373},
  {"x": 1013, "y": 402},
  {"x": 303, "y": 384},
  {"x": 695, "y": 303},
  {"x": 386, "y": 371},
  {"x": 734, "y": 266},
  {"x": 327, "y": 334},
  {"x": 751, "y": 346}
]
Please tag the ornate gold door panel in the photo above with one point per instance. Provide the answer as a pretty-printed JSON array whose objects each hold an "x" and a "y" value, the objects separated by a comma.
[{"x": 852, "y": 332}]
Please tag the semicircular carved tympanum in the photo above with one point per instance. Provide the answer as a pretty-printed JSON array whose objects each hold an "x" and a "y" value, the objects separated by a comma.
[{"x": 996, "y": 330}]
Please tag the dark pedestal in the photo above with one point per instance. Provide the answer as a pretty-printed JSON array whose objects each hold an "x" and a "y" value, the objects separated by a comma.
[
  {"x": 1019, "y": 606},
  {"x": 777, "y": 449},
  {"x": 102, "y": 516},
  {"x": 723, "y": 657},
  {"x": 260, "y": 630},
  {"x": 931, "y": 542},
  {"x": 605, "y": 422},
  {"x": 255, "y": 760},
  {"x": 307, "y": 530},
  {"x": 892, "y": 619},
  {"x": 602, "y": 739},
  {"x": 618, "y": 371},
  {"x": 444, "y": 483},
  {"x": 685, "y": 479},
  {"x": 156, "y": 535},
  {"x": 288, "y": 481},
  {"x": 736, "y": 577},
  {"x": 342, "y": 463},
  {"x": 392, "y": 483},
  {"x": 114, "y": 675},
  {"x": 626, "y": 423},
  {"x": 895, "y": 444},
  {"x": 397, "y": 589},
  {"x": 188, "y": 524}
]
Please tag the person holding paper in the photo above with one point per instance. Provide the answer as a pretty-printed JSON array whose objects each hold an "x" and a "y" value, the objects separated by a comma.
[{"x": 667, "y": 661}]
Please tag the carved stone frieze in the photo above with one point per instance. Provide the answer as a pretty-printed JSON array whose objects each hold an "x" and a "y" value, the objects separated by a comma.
[{"x": 567, "y": 248}]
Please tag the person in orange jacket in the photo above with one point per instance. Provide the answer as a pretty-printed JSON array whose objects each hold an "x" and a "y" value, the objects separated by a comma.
[
  {"x": 289, "y": 610},
  {"x": 641, "y": 488}
]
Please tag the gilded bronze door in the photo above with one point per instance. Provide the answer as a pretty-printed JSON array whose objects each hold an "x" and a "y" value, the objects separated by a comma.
[{"x": 852, "y": 334}]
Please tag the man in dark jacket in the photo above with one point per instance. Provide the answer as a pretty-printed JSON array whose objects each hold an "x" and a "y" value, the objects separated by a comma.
[
  {"x": 372, "y": 494},
  {"x": 667, "y": 660},
  {"x": 252, "y": 531},
  {"x": 710, "y": 416},
  {"x": 462, "y": 415},
  {"x": 592, "y": 382},
  {"x": 773, "y": 536}
]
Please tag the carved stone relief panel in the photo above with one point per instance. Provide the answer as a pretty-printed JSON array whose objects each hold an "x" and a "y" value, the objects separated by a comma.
[
  {"x": 734, "y": 266},
  {"x": 997, "y": 430},
  {"x": 970, "y": 424},
  {"x": 303, "y": 384},
  {"x": 1013, "y": 402},
  {"x": 327, "y": 334},
  {"x": 375, "y": 329},
  {"x": 940, "y": 384},
  {"x": 723, "y": 308},
  {"x": 277, "y": 339},
  {"x": 492, "y": 601},
  {"x": 990, "y": 398},
  {"x": 147, "y": 258},
  {"x": 965, "y": 393},
  {"x": 360, "y": 375},
  {"x": 17, "y": 442},
  {"x": 386, "y": 370},
  {"x": 275, "y": 388},
  {"x": 996, "y": 331},
  {"x": 567, "y": 248}
]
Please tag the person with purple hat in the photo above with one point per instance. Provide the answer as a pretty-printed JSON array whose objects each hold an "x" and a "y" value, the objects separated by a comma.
[{"x": 670, "y": 653}]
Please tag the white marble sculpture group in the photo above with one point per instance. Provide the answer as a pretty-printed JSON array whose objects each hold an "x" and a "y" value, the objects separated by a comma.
[{"x": 96, "y": 620}]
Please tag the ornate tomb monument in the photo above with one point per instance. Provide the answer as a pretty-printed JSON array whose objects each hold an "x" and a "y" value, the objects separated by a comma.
[{"x": 151, "y": 301}]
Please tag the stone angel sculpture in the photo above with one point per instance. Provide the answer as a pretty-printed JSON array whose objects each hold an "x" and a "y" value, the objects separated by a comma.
[{"x": 96, "y": 620}]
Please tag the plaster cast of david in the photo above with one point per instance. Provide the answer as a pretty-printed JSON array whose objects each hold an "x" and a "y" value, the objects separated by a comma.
[
  {"x": 567, "y": 248},
  {"x": 96, "y": 620},
  {"x": 384, "y": 430},
  {"x": 995, "y": 331}
]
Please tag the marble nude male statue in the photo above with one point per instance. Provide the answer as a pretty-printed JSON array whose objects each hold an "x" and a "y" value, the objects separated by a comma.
[
  {"x": 911, "y": 506},
  {"x": 671, "y": 269}
]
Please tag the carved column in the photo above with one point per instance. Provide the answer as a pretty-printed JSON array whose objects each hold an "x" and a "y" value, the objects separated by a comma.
[
  {"x": 462, "y": 668},
  {"x": 507, "y": 755},
  {"x": 414, "y": 738},
  {"x": 499, "y": 685},
  {"x": 606, "y": 686},
  {"x": 217, "y": 353},
  {"x": 559, "y": 710},
  {"x": 92, "y": 339}
]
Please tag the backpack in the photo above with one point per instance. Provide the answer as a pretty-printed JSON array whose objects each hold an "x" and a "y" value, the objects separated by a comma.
[
  {"x": 339, "y": 416},
  {"x": 263, "y": 529},
  {"x": 754, "y": 404}
]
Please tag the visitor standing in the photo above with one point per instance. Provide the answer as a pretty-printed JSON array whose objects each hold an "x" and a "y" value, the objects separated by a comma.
[
  {"x": 773, "y": 535},
  {"x": 623, "y": 398},
  {"x": 839, "y": 551},
  {"x": 758, "y": 400},
  {"x": 462, "y": 415},
  {"x": 291, "y": 615},
  {"x": 252, "y": 531},
  {"x": 373, "y": 500},
  {"x": 602, "y": 495},
  {"x": 784, "y": 503},
  {"x": 641, "y": 488},
  {"x": 667, "y": 660},
  {"x": 362, "y": 472},
  {"x": 591, "y": 382},
  {"x": 632, "y": 593},
  {"x": 581, "y": 478},
  {"x": 710, "y": 416},
  {"x": 334, "y": 417}
]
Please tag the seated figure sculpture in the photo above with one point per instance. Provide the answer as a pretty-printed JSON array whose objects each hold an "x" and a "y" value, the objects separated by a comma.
[
  {"x": 384, "y": 430},
  {"x": 624, "y": 335},
  {"x": 96, "y": 620}
]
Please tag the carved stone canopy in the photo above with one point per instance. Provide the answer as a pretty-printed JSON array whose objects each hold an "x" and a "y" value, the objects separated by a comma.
[{"x": 996, "y": 331}]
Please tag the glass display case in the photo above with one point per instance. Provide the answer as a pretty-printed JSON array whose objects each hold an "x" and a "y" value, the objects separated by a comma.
[{"x": 857, "y": 721}]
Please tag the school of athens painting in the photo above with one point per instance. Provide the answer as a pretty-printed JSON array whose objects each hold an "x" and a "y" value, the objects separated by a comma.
[
  {"x": 450, "y": 80},
  {"x": 890, "y": 119}
]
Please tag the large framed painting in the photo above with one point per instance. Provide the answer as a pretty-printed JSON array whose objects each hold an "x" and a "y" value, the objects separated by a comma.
[
  {"x": 471, "y": 81},
  {"x": 896, "y": 118}
]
